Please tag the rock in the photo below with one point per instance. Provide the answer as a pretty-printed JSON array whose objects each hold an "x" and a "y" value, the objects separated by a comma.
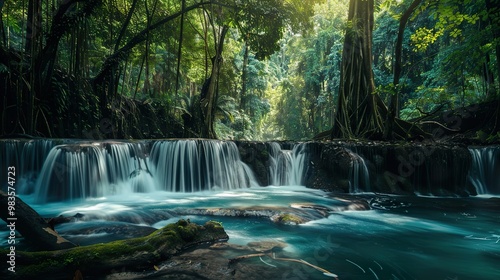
[
  {"x": 267, "y": 245},
  {"x": 212, "y": 262},
  {"x": 256, "y": 156},
  {"x": 135, "y": 254},
  {"x": 287, "y": 219},
  {"x": 396, "y": 168}
]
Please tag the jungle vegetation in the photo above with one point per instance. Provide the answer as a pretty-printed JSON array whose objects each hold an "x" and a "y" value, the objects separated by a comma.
[{"x": 245, "y": 69}]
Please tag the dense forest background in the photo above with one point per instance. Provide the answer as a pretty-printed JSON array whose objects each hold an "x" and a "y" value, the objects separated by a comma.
[{"x": 236, "y": 69}]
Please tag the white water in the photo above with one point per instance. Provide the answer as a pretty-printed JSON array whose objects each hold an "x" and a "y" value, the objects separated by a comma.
[
  {"x": 116, "y": 183},
  {"x": 485, "y": 170},
  {"x": 27, "y": 156},
  {"x": 194, "y": 165},
  {"x": 359, "y": 175},
  {"x": 78, "y": 169},
  {"x": 429, "y": 239},
  {"x": 74, "y": 171},
  {"x": 83, "y": 170},
  {"x": 287, "y": 167}
]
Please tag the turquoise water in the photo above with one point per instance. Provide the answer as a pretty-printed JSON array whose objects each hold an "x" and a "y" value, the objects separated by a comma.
[{"x": 419, "y": 238}]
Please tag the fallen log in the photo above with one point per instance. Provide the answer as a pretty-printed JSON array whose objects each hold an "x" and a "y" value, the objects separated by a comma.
[
  {"x": 25, "y": 220},
  {"x": 136, "y": 254}
]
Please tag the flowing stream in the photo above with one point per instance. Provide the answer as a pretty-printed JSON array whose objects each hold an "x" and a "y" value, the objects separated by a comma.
[{"x": 129, "y": 186}]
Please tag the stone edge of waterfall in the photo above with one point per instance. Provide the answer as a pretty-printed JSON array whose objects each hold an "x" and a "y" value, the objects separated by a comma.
[{"x": 410, "y": 168}]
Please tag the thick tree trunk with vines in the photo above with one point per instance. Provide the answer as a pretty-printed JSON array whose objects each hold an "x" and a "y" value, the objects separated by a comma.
[
  {"x": 359, "y": 110},
  {"x": 33, "y": 45}
]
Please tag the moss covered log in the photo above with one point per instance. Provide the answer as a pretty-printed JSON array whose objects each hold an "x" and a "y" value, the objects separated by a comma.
[{"x": 135, "y": 254}]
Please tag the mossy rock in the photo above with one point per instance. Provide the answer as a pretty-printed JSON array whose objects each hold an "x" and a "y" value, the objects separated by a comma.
[
  {"x": 131, "y": 254},
  {"x": 288, "y": 219}
]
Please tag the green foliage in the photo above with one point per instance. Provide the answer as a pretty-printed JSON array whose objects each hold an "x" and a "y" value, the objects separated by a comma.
[
  {"x": 487, "y": 137},
  {"x": 292, "y": 66},
  {"x": 304, "y": 76},
  {"x": 449, "y": 17}
]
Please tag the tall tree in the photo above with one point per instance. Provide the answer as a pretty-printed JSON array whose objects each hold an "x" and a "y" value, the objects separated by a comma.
[
  {"x": 359, "y": 111},
  {"x": 494, "y": 20},
  {"x": 209, "y": 91},
  {"x": 394, "y": 103}
]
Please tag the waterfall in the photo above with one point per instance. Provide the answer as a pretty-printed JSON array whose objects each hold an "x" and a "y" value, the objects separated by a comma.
[
  {"x": 73, "y": 171},
  {"x": 359, "y": 176},
  {"x": 197, "y": 165},
  {"x": 83, "y": 170},
  {"x": 27, "y": 156},
  {"x": 287, "y": 167},
  {"x": 484, "y": 173}
]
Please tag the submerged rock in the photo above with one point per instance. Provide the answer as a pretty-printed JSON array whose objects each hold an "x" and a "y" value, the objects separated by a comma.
[
  {"x": 295, "y": 214},
  {"x": 267, "y": 245},
  {"x": 287, "y": 219}
]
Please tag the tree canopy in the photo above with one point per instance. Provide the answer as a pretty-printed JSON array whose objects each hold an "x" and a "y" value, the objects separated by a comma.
[{"x": 230, "y": 69}]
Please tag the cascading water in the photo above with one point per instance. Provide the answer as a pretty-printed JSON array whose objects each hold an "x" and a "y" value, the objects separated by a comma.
[
  {"x": 128, "y": 162},
  {"x": 197, "y": 165},
  {"x": 355, "y": 244},
  {"x": 74, "y": 171},
  {"x": 287, "y": 167},
  {"x": 28, "y": 157},
  {"x": 359, "y": 176},
  {"x": 484, "y": 173}
]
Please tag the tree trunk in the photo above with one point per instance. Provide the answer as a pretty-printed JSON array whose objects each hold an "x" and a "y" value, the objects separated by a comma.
[
  {"x": 3, "y": 41},
  {"x": 179, "y": 53},
  {"x": 111, "y": 63},
  {"x": 494, "y": 20},
  {"x": 244, "y": 74},
  {"x": 394, "y": 103},
  {"x": 209, "y": 97},
  {"x": 125, "y": 25},
  {"x": 489, "y": 78},
  {"x": 33, "y": 43},
  {"x": 358, "y": 108},
  {"x": 30, "y": 225}
]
